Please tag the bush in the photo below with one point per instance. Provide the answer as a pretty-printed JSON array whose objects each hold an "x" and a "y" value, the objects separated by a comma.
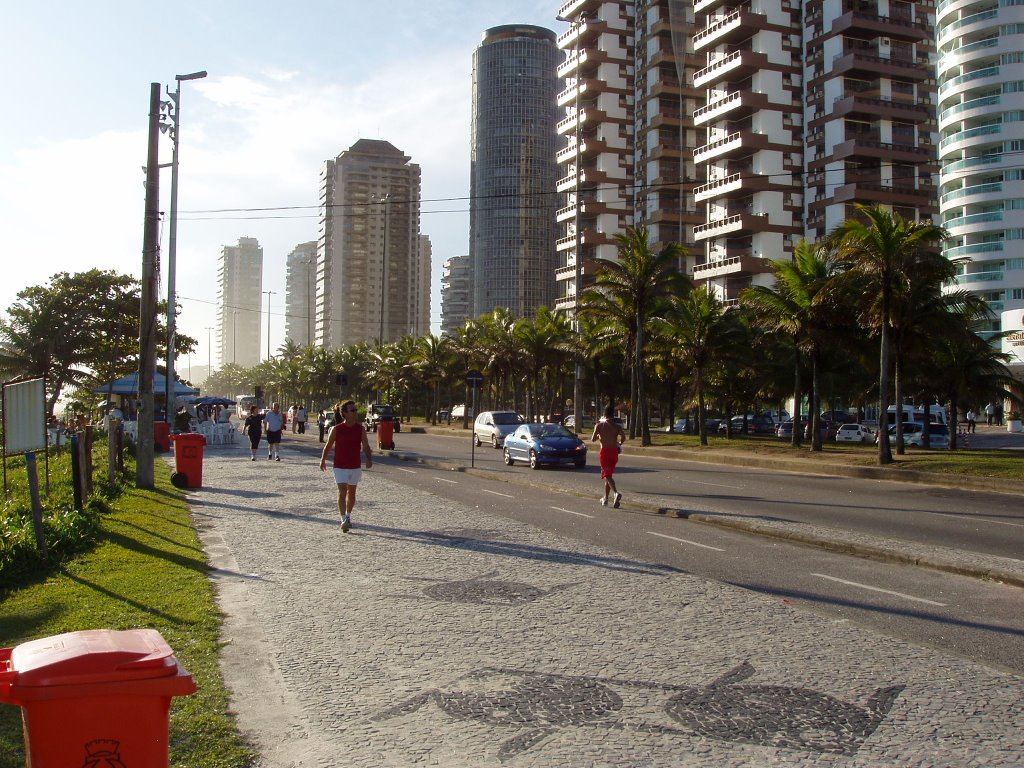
[{"x": 66, "y": 530}]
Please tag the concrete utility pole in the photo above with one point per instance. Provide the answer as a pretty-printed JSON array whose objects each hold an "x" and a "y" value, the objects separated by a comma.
[
  {"x": 172, "y": 247},
  {"x": 147, "y": 304}
]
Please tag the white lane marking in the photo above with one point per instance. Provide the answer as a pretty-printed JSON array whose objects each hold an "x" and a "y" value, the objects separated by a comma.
[
  {"x": 403, "y": 469},
  {"x": 715, "y": 485},
  {"x": 446, "y": 480},
  {"x": 498, "y": 494},
  {"x": 570, "y": 512},
  {"x": 879, "y": 589},
  {"x": 685, "y": 541},
  {"x": 973, "y": 519}
]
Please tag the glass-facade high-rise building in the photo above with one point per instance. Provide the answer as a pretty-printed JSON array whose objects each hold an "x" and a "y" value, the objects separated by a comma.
[
  {"x": 240, "y": 289},
  {"x": 513, "y": 170}
]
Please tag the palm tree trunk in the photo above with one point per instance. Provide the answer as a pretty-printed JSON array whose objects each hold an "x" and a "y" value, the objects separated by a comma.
[
  {"x": 797, "y": 395},
  {"x": 884, "y": 449},
  {"x": 641, "y": 392},
  {"x": 898, "y": 379},
  {"x": 815, "y": 401}
]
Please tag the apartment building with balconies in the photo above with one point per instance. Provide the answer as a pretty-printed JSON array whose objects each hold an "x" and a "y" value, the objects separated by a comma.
[
  {"x": 664, "y": 131},
  {"x": 596, "y": 161},
  {"x": 752, "y": 152},
  {"x": 239, "y": 296},
  {"x": 870, "y": 110},
  {"x": 981, "y": 123}
]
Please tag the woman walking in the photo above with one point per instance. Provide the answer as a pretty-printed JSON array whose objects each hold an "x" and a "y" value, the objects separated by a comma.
[{"x": 254, "y": 429}]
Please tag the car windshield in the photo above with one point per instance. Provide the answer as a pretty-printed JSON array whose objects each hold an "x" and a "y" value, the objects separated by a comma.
[
  {"x": 548, "y": 430},
  {"x": 508, "y": 418}
]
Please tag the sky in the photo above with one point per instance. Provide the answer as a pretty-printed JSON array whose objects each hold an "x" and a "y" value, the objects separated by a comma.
[{"x": 288, "y": 87}]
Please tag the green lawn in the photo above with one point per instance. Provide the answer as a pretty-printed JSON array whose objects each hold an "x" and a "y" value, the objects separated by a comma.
[{"x": 148, "y": 570}]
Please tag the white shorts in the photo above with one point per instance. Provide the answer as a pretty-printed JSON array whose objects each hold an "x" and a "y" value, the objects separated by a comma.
[{"x": 347, "y": 476}]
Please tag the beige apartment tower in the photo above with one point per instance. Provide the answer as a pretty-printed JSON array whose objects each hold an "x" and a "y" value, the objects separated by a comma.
[
  {"x": 240, "y": 290},
  {"x": 369, "y": 279}
]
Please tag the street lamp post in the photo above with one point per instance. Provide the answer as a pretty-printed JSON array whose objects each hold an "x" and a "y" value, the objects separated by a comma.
[
  {"x": 269, "y": 294},
  {"x": 577, "y": 395},
  {"x": 209, "y": 350},
  {"x": 309, "y": 303},
  {"x": 383, "y": 199},
  {"x": 172, "y": 237},
  {"x": 234, "y": 336}
]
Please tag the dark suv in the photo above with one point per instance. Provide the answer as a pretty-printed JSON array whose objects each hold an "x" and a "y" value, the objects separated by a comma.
[{"x": 761, "y": 424}]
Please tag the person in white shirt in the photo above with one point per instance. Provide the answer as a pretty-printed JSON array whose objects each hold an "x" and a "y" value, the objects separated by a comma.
[
  {"x": 300, "y": 419},
  {"x": 273, "y": 421}
]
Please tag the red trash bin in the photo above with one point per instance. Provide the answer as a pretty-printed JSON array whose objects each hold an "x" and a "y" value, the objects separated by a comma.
[
  {"x": 386, "y": 434},
  {"x": 94, "y": 698},
  {"x": 162, "y": 435},
  {"x": 188, "y": 459}
]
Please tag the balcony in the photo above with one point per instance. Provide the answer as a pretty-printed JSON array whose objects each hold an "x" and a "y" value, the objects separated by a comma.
[
  {"x": 736, "y": 105},
  {"x": 735, "y": 65},
  {"x": 971, "y": 133},
  {"x": 730, "y": 29},
  {"x": 731, "y": 186},
  {"x": 868, "y": 62},
  {"x": 871, "y": 108},
  {"x": 735, "y": 144},
  {"x": 977, "y": 189},
  {"x": 707, "y": 6},
  {"x": 979, "y": 277},
  {"x": 973, "y": 219},
  {"x": 891, "y": 194},
  {"x": 741, "y": 222},
  {"x": 746, "y": 264},
  {"x": 865, "y": 146},
  {"x": 881, "y": 26}
]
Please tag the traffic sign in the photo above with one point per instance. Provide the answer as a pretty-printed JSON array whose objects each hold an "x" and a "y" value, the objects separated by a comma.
[{"x": 474, "y": 379}]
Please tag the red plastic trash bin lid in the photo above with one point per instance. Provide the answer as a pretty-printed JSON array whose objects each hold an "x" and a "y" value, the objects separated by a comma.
[{"x": 92, "y": 656}]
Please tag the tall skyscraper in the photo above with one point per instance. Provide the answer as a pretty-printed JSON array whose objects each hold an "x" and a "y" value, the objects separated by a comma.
[
  {"x": 300, "y": 289},
  {"x": 239, "y": 295},
  {"x": 368, "y": 252},
  {"x": 422, "y": 290},
  {"x": 513, "y": 170},
  {"x": 456, "y": 295},
  {"x": 981, "y": 119}
]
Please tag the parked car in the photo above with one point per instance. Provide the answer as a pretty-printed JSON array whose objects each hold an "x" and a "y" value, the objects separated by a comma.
[
  {"x": 587, "y": 423},
  {"x": 460, "y": 410},
  {"x": 854, "y": 433},
  {"x": 494, "y": 426},
  {"x": 838, "y": 417},
  {"x": 913, "y": 435},
  {"x": 679, "y": 426},
  {"x": 541, "y": 444},
  {"x": 759, "y": 424}
]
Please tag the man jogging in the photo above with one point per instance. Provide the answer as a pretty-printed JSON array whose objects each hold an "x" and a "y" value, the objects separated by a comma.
[
  {"x": 274, "y": 422},
  {"x": 611, "y": 436},
  {"x": 347, "y": 437}
]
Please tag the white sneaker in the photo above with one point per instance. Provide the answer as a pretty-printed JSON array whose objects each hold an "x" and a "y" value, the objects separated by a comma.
[
  {"x": 345, "y": 523},
  {"x": 604, "y": 501},
  {"x": 618, "y": 498}
]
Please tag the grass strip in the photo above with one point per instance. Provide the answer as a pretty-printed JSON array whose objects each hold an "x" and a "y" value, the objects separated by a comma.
[{"x": 148, "y": 569}]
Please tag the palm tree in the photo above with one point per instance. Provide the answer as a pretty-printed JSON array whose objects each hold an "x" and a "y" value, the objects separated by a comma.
[
  {"x": 798, "y": 305},
  {"x": 703, "y": 330},
  {"x": 631, "y": 291},
  {"x": 434, "y": 357},
  {"x": 879, "y": 251}
]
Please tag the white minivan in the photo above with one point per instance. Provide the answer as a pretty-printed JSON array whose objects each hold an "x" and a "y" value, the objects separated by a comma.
[{"x": 936, "y": 414}]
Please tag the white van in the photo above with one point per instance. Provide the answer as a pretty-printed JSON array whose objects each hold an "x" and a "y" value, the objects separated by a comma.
[{"x": 936, "y": 414}]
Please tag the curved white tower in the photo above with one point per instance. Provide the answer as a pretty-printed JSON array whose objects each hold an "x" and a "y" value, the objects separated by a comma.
[{"x": 981, "y": 122}]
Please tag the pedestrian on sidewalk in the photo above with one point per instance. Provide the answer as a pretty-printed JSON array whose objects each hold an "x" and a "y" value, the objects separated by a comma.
[
  {"x": 321, "y": 422},
  {"x": 347, "y": 437},
  {"x": 254, "y": 429},
  {"x": 972, "y": 421},
  {"x": 274, "y": 421},
  {"x": 300, "y": 418},
  {"x": 990, "y": 412},
  {"x": 611, "y": 436}
]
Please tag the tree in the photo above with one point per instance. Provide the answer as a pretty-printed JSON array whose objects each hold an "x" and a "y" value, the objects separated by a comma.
[
  {"x": 630, "y": 292},
  {"x": 799, "y": 305},
  {"x": 703, "y": 330},
  {"x": 879, "y": 251},
  {"x": 82, "y": 329}
]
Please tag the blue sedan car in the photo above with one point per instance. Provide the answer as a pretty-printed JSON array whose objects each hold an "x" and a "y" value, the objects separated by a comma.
[{"x": 545, "y": 444}]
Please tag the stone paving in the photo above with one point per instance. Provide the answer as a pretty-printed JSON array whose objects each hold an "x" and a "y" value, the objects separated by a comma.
[{"x": 434, "y": 634}]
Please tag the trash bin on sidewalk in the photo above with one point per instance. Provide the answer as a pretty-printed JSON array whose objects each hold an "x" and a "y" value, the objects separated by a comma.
[
  {"x": 188, "y": 460},
  {"x": 386, "y": 434},
  {"x": 94, "y": 698},
  {"x": 162, "y": 436}
]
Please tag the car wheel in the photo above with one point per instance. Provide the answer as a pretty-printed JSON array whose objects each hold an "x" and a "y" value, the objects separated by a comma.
[
  {"x": 494, "y": 441},
  {"x": 534, "y": 464},
  {"x": 508, "y": 458},
  {"x": 476, "y": 440}
]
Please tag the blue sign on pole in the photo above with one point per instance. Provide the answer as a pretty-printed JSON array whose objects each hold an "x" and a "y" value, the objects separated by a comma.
[{"x": 474, "y": 379}]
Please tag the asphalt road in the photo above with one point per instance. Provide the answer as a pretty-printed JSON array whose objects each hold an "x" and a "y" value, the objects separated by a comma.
[{"x": 985, "y": 523}]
